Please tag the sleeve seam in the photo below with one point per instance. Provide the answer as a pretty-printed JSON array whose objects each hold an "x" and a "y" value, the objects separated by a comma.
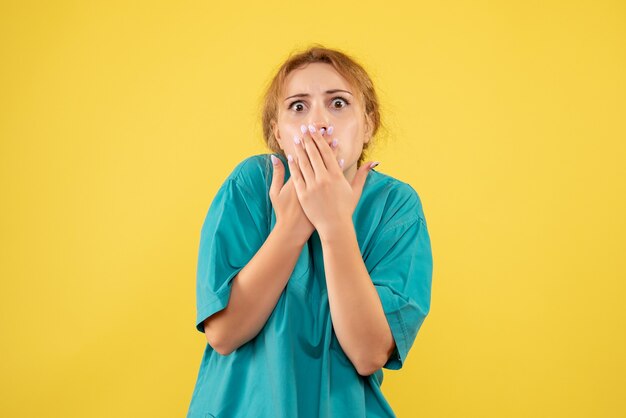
[
  {"x": 245, "y": 189},
  {"x": 251, "y": 197},
  {"x": 216, "y": 296},
  {"x": 236, "y": 177},
  {"x": 204, "y": 308},
  {"x": 410, "y": 221},
  {"x": 404, "y": 334},
  {"x": 397, "y": 326},
  {"x": 216, "y": 300},
  {"x": 400, "y": 345},
  {"x": 241, "y": 185}
]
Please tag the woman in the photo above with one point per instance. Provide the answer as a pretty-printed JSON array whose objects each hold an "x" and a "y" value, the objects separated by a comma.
[{"x": 314, "y": 269}]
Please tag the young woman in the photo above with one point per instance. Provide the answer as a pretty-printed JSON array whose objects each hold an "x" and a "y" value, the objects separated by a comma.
[{"x": 314, "y": 269}]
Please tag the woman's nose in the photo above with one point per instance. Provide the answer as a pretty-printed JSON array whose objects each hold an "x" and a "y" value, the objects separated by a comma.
[
  {"x": 317, "y": 126},
  {"x": 318, "y": 117}
]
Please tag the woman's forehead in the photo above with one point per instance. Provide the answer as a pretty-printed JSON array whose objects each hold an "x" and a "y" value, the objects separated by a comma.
[{"x": 313, "y": 78}]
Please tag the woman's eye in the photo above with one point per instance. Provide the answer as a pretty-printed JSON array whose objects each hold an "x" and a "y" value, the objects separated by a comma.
[
  {"x": 298, "y": 106},
  {"x": 292, "y": 106},
  {"x": 339, "y": 100}
]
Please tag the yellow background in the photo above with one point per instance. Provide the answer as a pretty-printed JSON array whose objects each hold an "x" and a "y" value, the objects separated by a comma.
[{"x": 119, "y": 121}]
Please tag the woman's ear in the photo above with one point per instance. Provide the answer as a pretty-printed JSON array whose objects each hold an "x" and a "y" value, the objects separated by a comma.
[
  {"x": 276, "y": 133},
  {"x": 369, "y": 128}
]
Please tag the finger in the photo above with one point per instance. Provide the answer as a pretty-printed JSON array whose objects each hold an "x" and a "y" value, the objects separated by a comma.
[
  {"x": 278, "y": 176},
  {"x": 358, "y": 183},
  {"x": 327, "y": 156},
  {"x": 294, "y": 169},
  {"x": 303, "y": 160},
  {"x": 334, "y": 146},
  {"x": 313, "y": 143},
  {"x": 333, "y": 143}
]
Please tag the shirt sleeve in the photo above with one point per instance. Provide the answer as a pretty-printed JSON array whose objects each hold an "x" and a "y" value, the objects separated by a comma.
[
  {"x": 233, "y": 231},
  {"x": 401, "y": 271}
]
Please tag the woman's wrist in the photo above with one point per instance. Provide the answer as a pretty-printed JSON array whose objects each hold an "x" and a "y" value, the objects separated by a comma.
[{"x": 290, "y": 234}]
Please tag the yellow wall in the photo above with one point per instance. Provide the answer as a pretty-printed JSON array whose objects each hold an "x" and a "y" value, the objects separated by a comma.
[{"x": 119, "y": 121}]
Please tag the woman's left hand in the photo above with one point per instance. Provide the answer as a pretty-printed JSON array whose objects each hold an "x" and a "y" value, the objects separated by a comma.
[{"x": 326, "y": 196}]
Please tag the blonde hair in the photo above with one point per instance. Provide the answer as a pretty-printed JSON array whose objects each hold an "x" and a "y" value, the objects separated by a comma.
[{"x": 345, "y": 65}]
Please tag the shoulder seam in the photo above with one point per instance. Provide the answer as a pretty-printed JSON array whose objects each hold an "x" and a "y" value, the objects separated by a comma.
[
  {"x": 413, "y": 219},
  {"x": 242, "y": 186},
  {"x": 236, "y": 175}
]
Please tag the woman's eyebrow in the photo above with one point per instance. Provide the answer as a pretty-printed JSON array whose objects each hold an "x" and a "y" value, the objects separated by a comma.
[{"x": 327, "y": 92}]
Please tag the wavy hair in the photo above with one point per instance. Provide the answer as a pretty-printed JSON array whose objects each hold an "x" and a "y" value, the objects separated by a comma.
[{"x": 345, "y": 65}]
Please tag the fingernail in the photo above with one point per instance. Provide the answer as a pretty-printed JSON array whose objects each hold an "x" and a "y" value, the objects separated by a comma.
[
  {"x": 296, "y": 139},
  {"x": 274, "y": 159},
  {"x": 289, "y": 158},
  {"x": 334, "y": 143},
  {"x": 311, "y": 128},
  {"x": 322, "y": 131},
  {"x": 303, "y": 128},
  {"x": 341, "y": 163},
  {"x": 329, "y": 131},
  {"x": 374, "y": 164}
]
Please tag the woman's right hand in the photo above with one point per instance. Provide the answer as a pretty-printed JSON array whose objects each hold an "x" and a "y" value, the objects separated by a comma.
[{"x": 289, "y": 213}]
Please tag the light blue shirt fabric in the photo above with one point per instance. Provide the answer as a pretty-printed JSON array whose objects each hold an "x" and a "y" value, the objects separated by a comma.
[{"x": 295, "y": 367}]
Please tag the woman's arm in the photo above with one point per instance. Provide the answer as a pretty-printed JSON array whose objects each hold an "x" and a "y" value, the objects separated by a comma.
[
  {"x": 255, "y": 292},
  {"x": 356, "y": 310}
]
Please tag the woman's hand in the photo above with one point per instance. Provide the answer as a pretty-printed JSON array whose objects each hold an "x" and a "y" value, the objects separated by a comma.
[
  {"x": 289, "y": 213},
  {"x": 326, "y": 196}
]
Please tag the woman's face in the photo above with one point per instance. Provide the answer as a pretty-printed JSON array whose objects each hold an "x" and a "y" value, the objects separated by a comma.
[{"x": 317, "y": 94}]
